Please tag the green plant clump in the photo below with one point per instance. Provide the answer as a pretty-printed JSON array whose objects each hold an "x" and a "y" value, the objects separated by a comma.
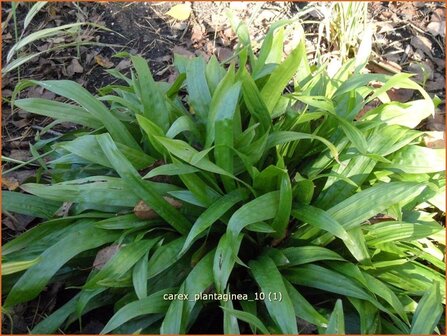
[{"x": 231, "y": 201}]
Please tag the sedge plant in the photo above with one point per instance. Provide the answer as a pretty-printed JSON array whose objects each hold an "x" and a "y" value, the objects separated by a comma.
[{"x": 258, "y": 191}]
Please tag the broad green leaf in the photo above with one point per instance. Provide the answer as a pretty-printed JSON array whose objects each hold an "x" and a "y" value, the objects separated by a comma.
[
  {"x": 230, "y": 325},
  {"x": 249, "y": 318},
  {"x": 222, "y": 110},
  {"x": 77, "y": 93},
  {"x": 270, "y": 281},
  {"x": 320, "y": 219},
  {"x": 149, "y": 93},
  {"x": 282, "y": 137},
  {"x": 59, "y": 111},
  {"x": 18, "y": 266},
  {"x": 171, "y": 169},
  {"x": 417, "y": 160},
  {"x": 182, "y": 124},
  {"x": 88, "y": 148},
  {"x": 29, "y": 205},
  {"x": 336, "y": 324},
  {"x": 199, "y": 93},
  {"x": 51, "y": 323},
  {"x": 45, "y": 230},
  {"x": 153, "y": 304},
  {"x": 369, "y": 202},
  {"x": 282, "y": 217},
  {"x": 213, "y": 214},
  {"x": 303, "y": 308},
  {"x": 125, "y": 222},
  {"x": 408, "y": 114},
  {"x": 214, "y": 73},
  {"x": 260, "y": 209},
  {"x": 308, "y": 254},
  {"x": 428, "y": 311},
  {"x": 96, "y": 190},
  {"x": 185, "y": 152},
  {"x": 199, "y": 279},
  {"x": 34, "y": 280},
  {"x": 370, "y": 321},
  {"x": 224, "y": 260},
  {"x": 389, "y": 231},
  {"x": 280, "y": 77},
  {"x": 121, "y": 262},
  {"x": 145, "y": 191},
  {"x": 254, "y": 102},
  {"x": 315, "y": 276},
  {"x": 164, "y": 257}
]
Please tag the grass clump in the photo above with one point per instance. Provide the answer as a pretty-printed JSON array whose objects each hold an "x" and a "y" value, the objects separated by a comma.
[{"x": 232, "y": 181}]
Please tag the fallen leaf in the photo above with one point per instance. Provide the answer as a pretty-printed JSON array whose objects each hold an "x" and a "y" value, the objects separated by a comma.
[
  {"x": 180, "y": 12},
  {"x": 74, "y": 68},
  {"x": 144, "y": 211},
  {"x": 436, "y": 123},
  {"x": 10, "y": 183},
  {"x": 434, "y": 139},
  {"x": 104, "y": 255},
  {"x": 223, "y": 53},
  {"x": 18, "y": 154},
  {"x": 18, "y": 222},
  {"x": 436, "y": 28},
  {"x": 124, "y": 64},
  {"x": 198, "y": 33},
  {"x": 437, "y": 84},
  {"x": 182, "y": 51},
  {"x": 103, "y": 61},
  {"x": 20, "y": 175},
  {"x": 400, "y": 95},
  {"x": 7, "y": 37},
  {"x": 422, "y": 43},
  {"x": 422, "y": 71}
]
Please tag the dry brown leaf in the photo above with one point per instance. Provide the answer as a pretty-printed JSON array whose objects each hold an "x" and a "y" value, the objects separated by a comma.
[
  {"x": 10, "y": 183},
  {"x": 18, "y": 222},
  {"x": 18, "y": 154},
  {"x": 434, "y": 139},
  {"x": 436, "y": 28},
  {"x": 104, "y": 255},
  {"x": 422, "y": 43},
  {"x": 124, "y": 64},
  {"x": 182, "y": 51},
  {"x": 437, "y": 84},
  {"x": 400, "y": 95},
  {"x": 103, "y": 61},
  {"x": 74, "y": 68},
  {"x": 223, "y": 53},
  {"x": 144, "y": 211}
]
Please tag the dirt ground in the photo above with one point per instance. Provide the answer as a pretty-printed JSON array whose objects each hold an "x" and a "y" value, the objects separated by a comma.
[{"x": 409, "y": 37}]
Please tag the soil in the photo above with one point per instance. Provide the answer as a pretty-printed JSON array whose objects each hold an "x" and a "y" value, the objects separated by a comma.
[{"x": 409, "y": 38}]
